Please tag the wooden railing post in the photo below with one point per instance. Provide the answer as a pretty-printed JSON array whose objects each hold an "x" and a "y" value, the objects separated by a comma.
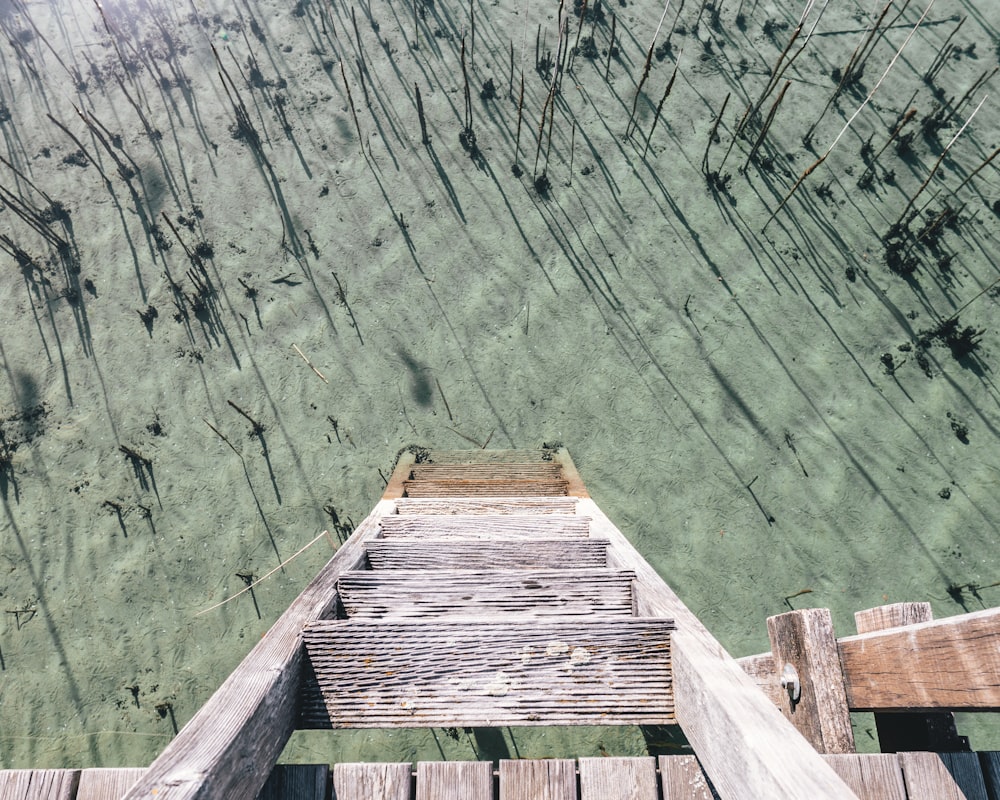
[
  {"x": 901, "y": 732},
  {"x": 806, "y": 657}
]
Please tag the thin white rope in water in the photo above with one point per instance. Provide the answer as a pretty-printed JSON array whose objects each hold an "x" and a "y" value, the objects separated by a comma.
[
  {"x": 264, "y": 577},
  {"x": 663, "y": 16}
]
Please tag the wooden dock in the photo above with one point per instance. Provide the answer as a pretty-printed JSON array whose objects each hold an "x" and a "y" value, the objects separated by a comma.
[{"x": 487, "y": 589}]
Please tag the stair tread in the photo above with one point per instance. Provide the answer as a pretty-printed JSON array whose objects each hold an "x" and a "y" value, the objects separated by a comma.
[
  {"x": 550, "y": 487},
  {"x": 488, "y": 457},
  {"x": 544, "y": 671},
  {"x": 472, "y": 554},
  {"x": 484, "y": 526},
  {"x": 442, "y": 506},
  {"x": 552, "y": 592}
]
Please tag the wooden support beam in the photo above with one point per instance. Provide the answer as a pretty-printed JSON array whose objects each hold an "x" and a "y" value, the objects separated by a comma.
[
  {"x": 898, "y": 733},
  {"x": 803, "y": 644}
]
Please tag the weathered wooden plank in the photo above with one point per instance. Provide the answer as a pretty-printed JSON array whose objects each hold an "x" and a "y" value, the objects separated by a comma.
[
  {"x": 106, "y": 784},
  {"x": 454, "y": 780},
  {"x": 761, "y": 670},
  {"x": 372, "y": 782},
  {"x": 803, "y": 640},
  {"x": 485, "y": 488},
  {"x": 39, "y": 784},
  {"x": 419, "y": 593},
  {"x": 539, "y": 456},
  {"x": 444, "y": 554},
  {"x": 544, "y": 671},
  {"x": 746, "y": 747},
  {"x": 900, "y": 732},
  {"x": 497, "y": 471},
  {"x": 871, "y": 776},
  {"x": 951, "y": 663},
  {"x": 484, "y": 526},
  {"x": 231, "y": 744},
  {"x": 487, "y": 505},
  {"x": 296, "y": 782},
  {"x": 942, "y": 776},
  {"x": 681, "y": 778},
  {"x": 618, "y": 778},
  {"x": 989, "y": 763},
  {"x": 538, "y": 779}
]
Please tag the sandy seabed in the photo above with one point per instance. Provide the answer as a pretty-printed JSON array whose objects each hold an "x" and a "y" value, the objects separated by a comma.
[{"x": 793, "y": 411}]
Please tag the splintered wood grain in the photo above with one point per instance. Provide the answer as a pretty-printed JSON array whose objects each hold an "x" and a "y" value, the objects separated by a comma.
[
  {"x": 618, "y": 779},
  {"x": 682, "y": 779},
  {"x": 445, "y": 554},
  {"x": 942, "y": 776},
  {"x": 484, "y": 526},
  {"x": 488, "y": 456},
  {"x": 494, "y": 505},
  {"x": 538, "y": 779},
  {"x": 871, "y": 776},
  {"x": 372, "y": 782},
  {"x": 486, "y": 472},
  {"x": 455, "y": 780},
  {"x": 544, "y": 671},
  {"x": 419, "y": 593},
  {"x": 106, "y": 784},
  {"x": 485, "y": 488},
  {"x": 39, "y": 784},
  {"x": 296, "y": 782}
]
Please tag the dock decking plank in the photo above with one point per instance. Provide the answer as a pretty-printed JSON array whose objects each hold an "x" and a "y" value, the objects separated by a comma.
[
  {"x": 682, "y": 779},
  {"x": 538, "y": 779},
  {"x": 989, "y": 762},
  {"x": 443, "y": 554},
  {"x": 101, "y": 783},
  {"x": 942, "y": 776},
  {"x": 372, "y": 782},
  {"x": 296, "y": 782},
  {"x": 39, "y": 784},
  {"x": 486, "y": 488},
  {"x": 871, "y": 776},
  {"x": 417, "y": 593},
  {"x": 512, "y": 506},
  {"x": 618, "y": 778},
  {"x": 454, "y": 780},
  {"x": 484, "y": 526}
]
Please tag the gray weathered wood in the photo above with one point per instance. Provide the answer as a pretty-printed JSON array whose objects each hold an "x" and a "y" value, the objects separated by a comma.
[
  {"x": 544, "y": 671},
  {"x": 618, "y": 778},
  {"x": 106, "y": 784},
  {"x": 38, "y": 784},
  {"x": 484, "y": 526},
  {"x": 804, "y": 639},
  {"x": 444, "y": 554},
  {"x": 454, "y": 780},
  {"x": 746, "y": 747},
  {"x": 539, "y": 456},
  {"x": 951, "y": 663},
  {"x": 989, "y": 762},
  {"x": 498, "y": 471},
  {"x": 681, "y": 778},
  {"x": 942, "y": 776},
  {"x": 418, "y": 593},
  {"x": 899, "y": 732},
  {"x": 230, "y": 745},
  {"x": 872, "y": 776},
  {"x": 486, "y": 505},
  {"x": 485, "y": 488},
  {"x": 372, "y": 782},
  {"x": 538, "y": 779},
  {"x": 761, "y": 670},
  {"x": 296, "y": 782}
]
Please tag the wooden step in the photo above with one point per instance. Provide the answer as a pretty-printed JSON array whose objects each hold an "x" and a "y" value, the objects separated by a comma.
[
  {"x": 484, "y": 526},
  {"x": 405, "y": 593},
  {"x": 485, "y": 488},
  {"x": 486, "y": 472},
  {"x": 458, "y": 554},
  {"x": 546, "y": 671},
  {"x": 539, "y": 456},
  {"x": 497, "y": 505}
]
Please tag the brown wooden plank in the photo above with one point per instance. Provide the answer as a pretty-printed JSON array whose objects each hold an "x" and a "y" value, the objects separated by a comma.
[
  {"x": 746, "y": 747},
  {"x": 942, "y": 776},
  {"x": 543, "y": 671},
  {"x": 296, "y": 782},
  {"x": 106, "y": 784},
  {"x": 422, "y": 593},
  {"x": 682, "y": 779},
  {"x": 39, "y": 784},
  {"x": 951, "y": 663},
  {"x": 538, "y": 779},
  {"x": 438, "y": 554},
  {"x": 899, "y": 732},
  {"x": 618, "y": 778},
  {"x": 871, "y": 776},
  {"x": 484, "y": 526},
  {"x": 803, "y": 640},
  {"x": 454, "y": 780},
  {"x": 471, "y": 456},
  {"x": 372, "y": 782},
  {"x": 485, "y": 488},
  {"x": 230, "y": 745},
  {"x": 486, "y": 505}
]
